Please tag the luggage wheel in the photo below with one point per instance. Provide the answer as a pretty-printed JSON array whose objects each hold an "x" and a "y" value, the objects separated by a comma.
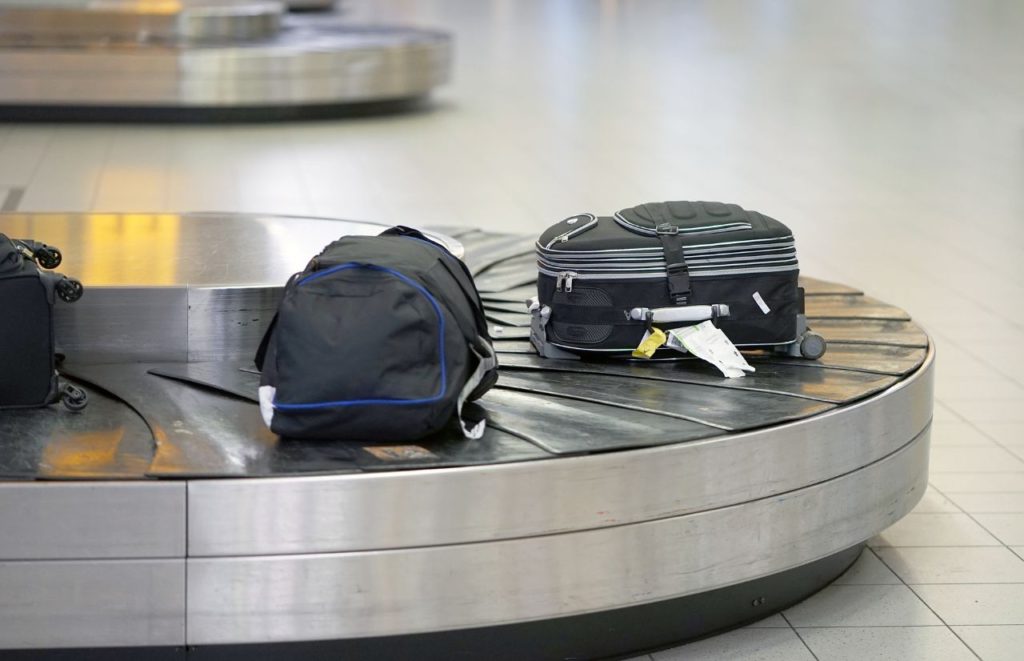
[
  {"x": 69, "y": 290},
  {"x": 73, "y": 398},
  {"x": 48, "y": 258},
  {"x": 812, "y": 346},
  {"x": 809, "y": 345}
]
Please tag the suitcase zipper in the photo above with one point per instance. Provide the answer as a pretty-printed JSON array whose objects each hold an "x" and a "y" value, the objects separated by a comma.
[
  {"x": 560, "y": 276},
  {"x": 565, "y": 236},
  {"x": 702, "y": 229}
]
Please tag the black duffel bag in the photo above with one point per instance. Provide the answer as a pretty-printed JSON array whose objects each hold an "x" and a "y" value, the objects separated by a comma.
[
  {"x": 379, "y": 338},
  {"x": 28, "y": 377}
]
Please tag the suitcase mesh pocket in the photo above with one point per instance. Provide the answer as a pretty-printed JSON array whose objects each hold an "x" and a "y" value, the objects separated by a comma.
[{"x": 575, "y": 332}]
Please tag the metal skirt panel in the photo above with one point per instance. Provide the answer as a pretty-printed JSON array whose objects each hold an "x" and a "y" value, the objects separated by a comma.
[
  {"x": 131, "y": 21},
  {"x": 311, "y": 65},
  {"x": 326, "y": 596},
  {"x": 102, "y": 603},
  {"x": 457, "y": 505},
  {"x": 90, "y": 520}
]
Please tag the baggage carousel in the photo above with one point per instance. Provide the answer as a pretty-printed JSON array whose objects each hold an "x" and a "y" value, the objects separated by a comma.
[
  {"x": 611, "y": 507},
  {"x": 206, "y": 60}
]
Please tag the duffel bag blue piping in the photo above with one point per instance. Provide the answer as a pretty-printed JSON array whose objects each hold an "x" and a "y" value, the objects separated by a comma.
[{"x": 386, "y": 402}]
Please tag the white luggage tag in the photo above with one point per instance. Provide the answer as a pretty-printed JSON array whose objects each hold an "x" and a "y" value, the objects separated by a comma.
[{"x": 709, "y": 343}]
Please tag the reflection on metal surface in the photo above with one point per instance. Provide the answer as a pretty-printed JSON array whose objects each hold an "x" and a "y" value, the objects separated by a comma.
[
  {"x": 199, "y": 249},
  {"x": 105, "y": 441},
  {"x": 163, "y": 287},
  {"x": 238, "y": 599},
  {"x": 197, "y": 433},
  {"x": 130, "y": 248}
]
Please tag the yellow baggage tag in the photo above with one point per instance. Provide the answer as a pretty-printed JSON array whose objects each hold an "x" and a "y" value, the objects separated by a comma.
[{"x": 653, "y": 339}]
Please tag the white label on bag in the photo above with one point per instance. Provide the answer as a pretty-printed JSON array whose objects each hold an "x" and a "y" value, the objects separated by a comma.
[
  {"x": 709, "y": 343},
  {"x": 760, "y": 303}
]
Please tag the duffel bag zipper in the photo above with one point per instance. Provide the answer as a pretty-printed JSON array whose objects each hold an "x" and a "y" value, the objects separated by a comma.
[
  {"x": 701, "y": 229},
  {"x": 590, "y": 219}
]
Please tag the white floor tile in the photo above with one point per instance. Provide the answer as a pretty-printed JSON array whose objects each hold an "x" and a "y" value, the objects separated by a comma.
[
  {"x": 771, "y": 622},
  {"x": 954, "y": 564},
  {"x": 976, "y": 503},
  {"x": 21, "y": 153},
  {"x": 946, "y": 459},
  {"x": 868, "y": 570},
  {"x": 978, "y": 482},
  {"x": 67, "y": 176},
  {"x": 886, "y": 644},
  {"x": 954, "y": 389},
  {"x": 1005, "y": 433},
  {"x": 959, "y": 434},
  {"x": 990, "y": 410},
  {"x": 942, "y": 413},
  {"x": 742, "y": 645},
  {"x": 934, "y": 502},
  {"x": 1007, "y": 527},
  {"x": 862, "y": 606},
  {"x": 975, "y": 604},
  {"x": 994, "y": 643},
  {"x": 935, "y": 529}
]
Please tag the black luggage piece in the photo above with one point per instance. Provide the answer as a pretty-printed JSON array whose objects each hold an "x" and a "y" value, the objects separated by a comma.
[
  {"x": 28, "y": 377},
  {"x": 379, "y": 338},
  {"x": 604, "y": 280}
]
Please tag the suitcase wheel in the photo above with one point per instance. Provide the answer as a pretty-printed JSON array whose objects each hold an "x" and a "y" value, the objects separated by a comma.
[
  {"x": 812, "y": 346},
  {"x": 73, "y": 398},
  {"x": 48, "y": 258},
  {"x": 69, "y": 290}
]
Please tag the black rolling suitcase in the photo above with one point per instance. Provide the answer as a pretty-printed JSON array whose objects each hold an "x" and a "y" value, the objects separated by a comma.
[
  {"x": 28, "y": 377},
  {"x": 604, "y": 281}
]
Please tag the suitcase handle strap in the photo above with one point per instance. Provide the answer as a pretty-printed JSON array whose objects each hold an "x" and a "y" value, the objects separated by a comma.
[{"x": 675, "y": 263}]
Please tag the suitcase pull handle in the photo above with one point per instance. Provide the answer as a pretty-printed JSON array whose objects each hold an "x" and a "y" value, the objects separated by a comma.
[{"x": 690, "y": 313}]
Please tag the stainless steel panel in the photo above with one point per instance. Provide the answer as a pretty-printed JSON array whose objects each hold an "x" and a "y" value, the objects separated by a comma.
[
  {"x": 429, "y": 507},
  {"x": 124, "y": 323},
  {"x": 228, "y": 323},
  {"x": 98, "y": 603},
  {"x": 310, "y": 61},
  {"x": 37, "y": 24},
  {"x": 86, "y": 520},
  {"x": 308, "y": 597}
]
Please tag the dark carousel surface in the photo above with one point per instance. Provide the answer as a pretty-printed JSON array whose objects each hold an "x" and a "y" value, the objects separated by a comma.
[{"x": 619, "y": 461}]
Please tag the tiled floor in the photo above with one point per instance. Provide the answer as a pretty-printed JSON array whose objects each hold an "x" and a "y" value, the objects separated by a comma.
[{"x": 888, "y": 135}]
